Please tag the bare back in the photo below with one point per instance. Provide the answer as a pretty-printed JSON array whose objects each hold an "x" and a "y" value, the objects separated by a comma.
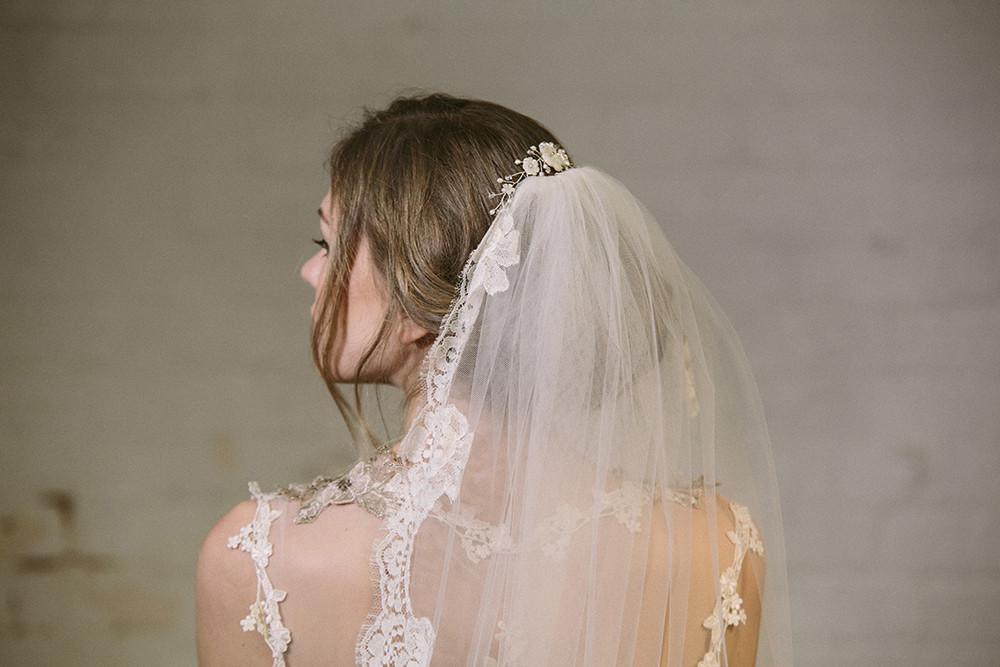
[{"x": 317, "y": 583}]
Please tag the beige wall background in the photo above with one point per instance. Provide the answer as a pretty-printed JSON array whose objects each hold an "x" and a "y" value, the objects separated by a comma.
[{"x": 829, "y": 169}]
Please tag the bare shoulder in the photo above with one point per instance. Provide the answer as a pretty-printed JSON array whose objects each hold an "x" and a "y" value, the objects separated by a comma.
[
  {"x": 225, "y": 585},
  {"x": 323, "y": 568}
]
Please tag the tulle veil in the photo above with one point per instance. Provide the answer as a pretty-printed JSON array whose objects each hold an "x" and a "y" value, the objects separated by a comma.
[{"x": 590, "y": 480}]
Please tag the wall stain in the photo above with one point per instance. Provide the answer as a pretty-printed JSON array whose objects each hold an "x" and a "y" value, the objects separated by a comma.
[
  {"x": 67, "y": 559},
  {"x": 22, "y": 533},
  {"x": 122, "y": 594},
  {"x": 64, "y": 505}
]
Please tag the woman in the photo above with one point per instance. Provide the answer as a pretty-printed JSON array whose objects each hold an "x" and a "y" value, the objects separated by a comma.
[{"x": 574, "y": 402}]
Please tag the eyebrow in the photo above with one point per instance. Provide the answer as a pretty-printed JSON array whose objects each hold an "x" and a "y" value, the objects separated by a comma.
[{"x": 321, "y": 216}]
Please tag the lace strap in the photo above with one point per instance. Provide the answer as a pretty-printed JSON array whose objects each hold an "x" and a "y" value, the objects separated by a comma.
[
  {"x": 729, "y": 609},
  {"x": 264, "y": 616}
]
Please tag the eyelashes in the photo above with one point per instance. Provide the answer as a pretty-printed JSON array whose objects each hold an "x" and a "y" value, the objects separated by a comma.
[{"x": 322, "y": 244}]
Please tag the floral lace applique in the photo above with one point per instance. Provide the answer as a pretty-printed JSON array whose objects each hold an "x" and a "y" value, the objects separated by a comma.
[
  {"x": 364, "y": 484},
  {"x": 501, "y": 252},
  {"x": 729, "y": 609},
  {"x": 264, "y": 616},
  {"x": 482, "y": 539}
]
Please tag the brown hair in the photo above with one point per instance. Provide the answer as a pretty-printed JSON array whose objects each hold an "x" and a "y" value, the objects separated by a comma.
[{"x": 414, "y": 180}]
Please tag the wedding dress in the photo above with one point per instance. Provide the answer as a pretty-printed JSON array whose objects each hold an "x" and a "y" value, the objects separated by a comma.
[{"x": 588, "y": 482}]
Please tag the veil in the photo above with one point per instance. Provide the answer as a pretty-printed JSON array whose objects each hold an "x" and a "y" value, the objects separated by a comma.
[{"x": 590, "y": 478}]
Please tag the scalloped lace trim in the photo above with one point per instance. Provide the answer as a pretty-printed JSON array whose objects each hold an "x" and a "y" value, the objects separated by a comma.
[
  {"x": 729, "y": 609},
  {"x": 392, "y": 634},
  {"x": 482, "y": 539},
  {"x": 264, "y": 616}
]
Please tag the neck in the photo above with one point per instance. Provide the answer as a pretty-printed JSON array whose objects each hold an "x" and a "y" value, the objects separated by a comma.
[
  {"x": 407, "y": 379},
  {"x": 413, "y": 407}
]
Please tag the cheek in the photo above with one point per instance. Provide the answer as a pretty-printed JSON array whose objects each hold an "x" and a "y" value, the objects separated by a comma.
[
  {"x": 366, "y": 306},
  {"x": 364, "y": 309}
]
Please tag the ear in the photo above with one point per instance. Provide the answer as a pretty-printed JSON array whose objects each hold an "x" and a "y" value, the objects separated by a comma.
[{"x": 411, "y": 332}]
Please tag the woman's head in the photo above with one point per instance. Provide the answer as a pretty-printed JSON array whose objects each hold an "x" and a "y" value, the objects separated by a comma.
[{"x": 407, "y": 204}]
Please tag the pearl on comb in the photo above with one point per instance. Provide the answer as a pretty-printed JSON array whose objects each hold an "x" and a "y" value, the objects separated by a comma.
[{"x": 543, "y": 160}]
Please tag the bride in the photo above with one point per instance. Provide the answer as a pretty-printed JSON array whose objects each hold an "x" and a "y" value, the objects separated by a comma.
[{"x": 584, "y": 475}]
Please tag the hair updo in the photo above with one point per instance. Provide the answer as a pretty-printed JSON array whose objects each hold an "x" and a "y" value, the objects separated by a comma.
[{"x": 413, "y": 179}]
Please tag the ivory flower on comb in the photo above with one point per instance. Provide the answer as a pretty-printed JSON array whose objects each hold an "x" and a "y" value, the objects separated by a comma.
[{"x": 545, "y": 159}]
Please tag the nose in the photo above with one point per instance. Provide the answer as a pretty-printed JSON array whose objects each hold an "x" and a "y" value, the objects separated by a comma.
[
  {"x": 308, "y": 271},
  {"x": 312, "y": 270}
]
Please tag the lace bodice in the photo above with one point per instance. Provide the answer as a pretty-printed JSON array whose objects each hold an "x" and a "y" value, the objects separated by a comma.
[{"x": 369, "y": 484}]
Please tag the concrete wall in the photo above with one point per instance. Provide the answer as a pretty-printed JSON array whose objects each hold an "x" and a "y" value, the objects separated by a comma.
[{"x": 830, "y": 170}]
